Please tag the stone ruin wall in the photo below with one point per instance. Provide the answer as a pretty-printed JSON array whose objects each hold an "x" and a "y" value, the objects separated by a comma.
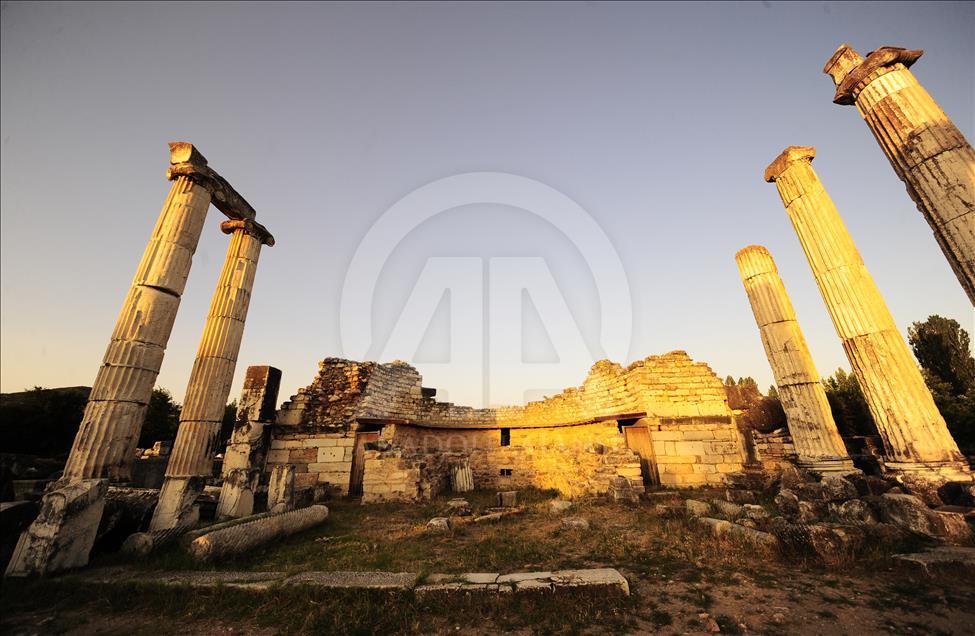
[
  {"x": 774, "y": 450},
  {"x": 569, "y": 441},
  {"x": 575, "y": 460}
]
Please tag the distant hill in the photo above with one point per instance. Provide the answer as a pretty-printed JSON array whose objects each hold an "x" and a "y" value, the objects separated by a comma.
[{"x": 41, "y": 421}]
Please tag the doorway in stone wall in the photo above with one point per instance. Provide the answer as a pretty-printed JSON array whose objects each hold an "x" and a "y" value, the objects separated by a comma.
[
  {"x": 362, "y": 437},
  {"x": 637, "y": 437}
]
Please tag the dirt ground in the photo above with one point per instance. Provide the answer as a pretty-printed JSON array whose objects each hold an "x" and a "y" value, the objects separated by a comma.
[{"x": 681, "y": 581}]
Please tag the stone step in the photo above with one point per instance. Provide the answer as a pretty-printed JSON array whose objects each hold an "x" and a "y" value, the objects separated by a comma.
[
  {"x": 947, "y": 561},
  {"x": 479, "y": 582}
]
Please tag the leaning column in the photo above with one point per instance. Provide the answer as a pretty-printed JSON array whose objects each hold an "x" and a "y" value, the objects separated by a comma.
[
  {"x": 915, "y": 436},
  {"x": 817, "y": 441},
  {"x": 213, "y": 372},
  {"x": 925, "y": 148},
  {"x": 109, "y": 430}
]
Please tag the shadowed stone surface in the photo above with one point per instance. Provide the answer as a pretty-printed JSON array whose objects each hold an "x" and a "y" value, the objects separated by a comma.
[{"x": 64, "y": 532}]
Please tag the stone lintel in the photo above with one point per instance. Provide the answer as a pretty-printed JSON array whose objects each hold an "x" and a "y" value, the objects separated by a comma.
[
  {"x": 788, "y": 156},
  {"x": 848, "y": 68},
  {"x": 250, "y": 226},
  {"x": 186, "y": 161}
]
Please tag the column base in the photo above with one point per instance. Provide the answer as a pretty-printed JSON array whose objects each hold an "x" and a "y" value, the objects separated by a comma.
[
  {"x": 177, "y": 504},
  {"x": 933, "y": 471},
  {"x": 833, "y": 466},
  {"x": 63, "y": 534}
]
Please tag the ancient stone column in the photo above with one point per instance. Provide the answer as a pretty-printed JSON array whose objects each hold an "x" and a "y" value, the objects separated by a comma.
[
  {"x": 807, "y": 411},
  {"x": 243, "y": 461},
  {"x": 925, "y": 148},
  {"x": 915, "y": 436},
  {"x": 211, "y": 377},
  {"x": 109, "y": 430},
  {"x": 241, "y": 537}
]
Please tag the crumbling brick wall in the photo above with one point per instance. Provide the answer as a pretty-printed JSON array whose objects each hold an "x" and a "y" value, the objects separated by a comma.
[
  {"x": 774, "y": 449},
  {"x": 569, "y": 441}
]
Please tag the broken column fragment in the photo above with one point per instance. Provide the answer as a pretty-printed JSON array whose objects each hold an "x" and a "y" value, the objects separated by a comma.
[
  {"x": 62, "y": 535},
  {"x": 244, "y": 536},
  {"x": 807, "y": 411},
  {"x": 925, "y": 148},
  {"x": 281, "y": 489},
  {"x": 916, "y": 438},
  {"x": 243, "y": 461}
]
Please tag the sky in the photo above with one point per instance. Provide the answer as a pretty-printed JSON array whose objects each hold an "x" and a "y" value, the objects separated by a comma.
[{"x": 568, "y": 172}]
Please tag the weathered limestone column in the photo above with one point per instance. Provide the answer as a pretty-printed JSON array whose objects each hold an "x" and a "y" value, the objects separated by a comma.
[
  {"x": 915, "y": 436},
  {"x": 817, "y": 441},
  {"x": 109, "y": 431},
  {"x": 211, "y": 377},
  {"x": 925, "y": 148},
  {"x": 243, "y": 461}
]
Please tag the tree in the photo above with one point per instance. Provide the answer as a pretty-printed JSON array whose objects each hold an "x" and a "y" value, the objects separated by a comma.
[
  {"x": 942, "y": 348},
  {"x": 162, "y": 419},
  {"x": 41, "y": 421},
  {"x": 773, "y": 391},
  {"x": 849, "y": 407}
]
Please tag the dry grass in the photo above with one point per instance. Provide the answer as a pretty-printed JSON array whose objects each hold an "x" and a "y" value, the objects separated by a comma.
[{"x": 676, "y": 573}]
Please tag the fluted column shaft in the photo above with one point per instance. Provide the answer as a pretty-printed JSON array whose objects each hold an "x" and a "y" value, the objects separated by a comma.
[
  {"x": 817, "y": 441},
  {"x": 105, "y": 443},
  {"x": 914, "y": 433},
  {"x": 216, "y": 358},
  {"x": 925, "y": 148}
]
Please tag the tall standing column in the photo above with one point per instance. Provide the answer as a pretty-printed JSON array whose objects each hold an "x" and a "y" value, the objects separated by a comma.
[
  {"x": 925, "y": 148},
  {"x": 211, "y": 377},
  {"x": 914, "y": 433},
  {"x": 817, "y": 441},
  {"x": 109, "y": 431}
]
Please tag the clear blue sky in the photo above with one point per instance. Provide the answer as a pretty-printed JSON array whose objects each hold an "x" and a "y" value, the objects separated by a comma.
[{"x": 657, "y": 119}]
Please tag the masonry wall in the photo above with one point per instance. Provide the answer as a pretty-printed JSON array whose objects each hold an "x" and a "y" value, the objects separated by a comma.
[
  {"x": 319, "y": 457},
  {"x": 574, "y": 460},
  {"x": 696, "y": 451},
  {"x": 774, "y": 449},
  {"x": 569, "y": 441}
]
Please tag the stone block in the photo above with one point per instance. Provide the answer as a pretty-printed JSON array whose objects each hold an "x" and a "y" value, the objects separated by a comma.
[
  {"x": 689, "y": 448},
  {"x": 662, "y": 436},
  {"x": 438, "y": 525},
  {"x": 64, "y": 532},
  {"x": 944, "y": 561},
  {"x": 691, "y": 436},
  {"x": 330, "y": 454},
  {"x": 278, "y": 455},
  {"x": 508, "y": 499}
]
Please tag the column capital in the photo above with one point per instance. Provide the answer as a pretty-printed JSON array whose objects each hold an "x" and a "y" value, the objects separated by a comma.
[
  {"x": 249, "y": 226},
  {"x": 848, "y": 68},
  {"x": 185, "y": 160},
  {"x": 789, "y": 156},
  {"x": 754, "y": 260}
]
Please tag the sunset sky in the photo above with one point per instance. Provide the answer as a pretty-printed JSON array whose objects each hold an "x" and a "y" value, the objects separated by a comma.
[{"x": 654, "y": 120}]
